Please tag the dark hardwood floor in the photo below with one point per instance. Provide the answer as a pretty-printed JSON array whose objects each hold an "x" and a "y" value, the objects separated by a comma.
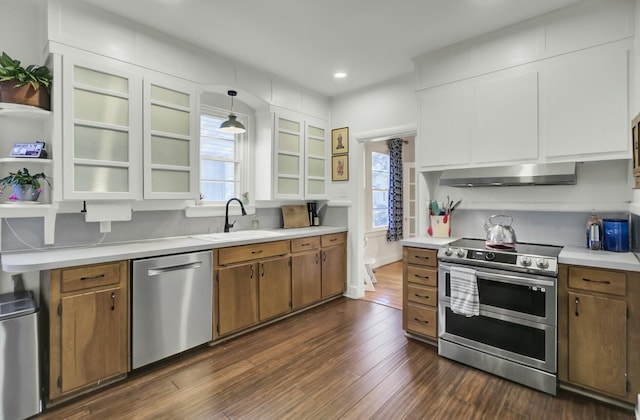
[
  {"x": 389, "y": 286},
  {"x": 345, "y": 359}
]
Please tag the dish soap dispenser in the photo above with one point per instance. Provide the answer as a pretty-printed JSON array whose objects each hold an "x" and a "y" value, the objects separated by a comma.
[{"x": 594, "y": 232}]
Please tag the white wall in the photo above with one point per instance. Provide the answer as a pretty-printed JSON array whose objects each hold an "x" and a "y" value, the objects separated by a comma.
[
  {"x": 75, "y": 24},
  {"x": 379, "y": 112}
]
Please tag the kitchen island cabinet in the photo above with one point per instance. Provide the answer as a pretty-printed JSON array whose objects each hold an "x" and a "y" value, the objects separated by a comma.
[
  {"x": 88, "y": 320},
  {"x": 599, "y": 331}
]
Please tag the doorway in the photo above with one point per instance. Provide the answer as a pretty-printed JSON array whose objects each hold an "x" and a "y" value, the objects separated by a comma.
[{"x": 385, "y": 258}]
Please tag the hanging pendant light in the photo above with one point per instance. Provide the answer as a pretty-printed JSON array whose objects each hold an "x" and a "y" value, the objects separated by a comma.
[{"x": 232, "y": 125}]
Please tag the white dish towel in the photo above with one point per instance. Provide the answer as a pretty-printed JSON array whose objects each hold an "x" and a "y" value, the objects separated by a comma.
[{"x": 464, "y": 291}]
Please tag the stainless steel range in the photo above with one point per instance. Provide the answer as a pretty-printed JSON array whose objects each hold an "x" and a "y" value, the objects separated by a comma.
[{"x": 514, "y": 333}]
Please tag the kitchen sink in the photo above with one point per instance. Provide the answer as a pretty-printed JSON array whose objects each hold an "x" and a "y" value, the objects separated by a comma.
[{"x": 237, "y": 235}]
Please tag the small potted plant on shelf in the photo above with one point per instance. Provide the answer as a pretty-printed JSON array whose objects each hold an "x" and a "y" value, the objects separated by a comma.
[
  {"x": 26, "y": 186},
  {"x": 29, "y": 85}
]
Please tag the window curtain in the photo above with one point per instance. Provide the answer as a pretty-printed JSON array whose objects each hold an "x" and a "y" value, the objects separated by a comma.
[{"x": 394, "y": 233}]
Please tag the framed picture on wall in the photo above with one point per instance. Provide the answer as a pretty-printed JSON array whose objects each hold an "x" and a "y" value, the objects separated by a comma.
[
  {"x": 340, "y": 168},
  {"x": 340, "y": 140}
]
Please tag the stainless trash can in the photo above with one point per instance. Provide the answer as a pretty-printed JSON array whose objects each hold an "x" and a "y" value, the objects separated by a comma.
[{"x": 19, "y": 361}]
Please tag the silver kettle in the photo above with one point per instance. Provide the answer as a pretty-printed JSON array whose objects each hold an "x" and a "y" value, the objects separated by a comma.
[{"x": 500, "y": 235}]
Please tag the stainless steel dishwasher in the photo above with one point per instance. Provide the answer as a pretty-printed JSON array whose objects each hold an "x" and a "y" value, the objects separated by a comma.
[{"x": 171, "y": 305}]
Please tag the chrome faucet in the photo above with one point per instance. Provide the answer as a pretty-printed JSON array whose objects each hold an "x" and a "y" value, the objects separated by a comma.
[{"x": 227, "y": 225}]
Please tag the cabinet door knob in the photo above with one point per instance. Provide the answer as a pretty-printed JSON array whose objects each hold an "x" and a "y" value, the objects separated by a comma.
[
  {"x": 577, "y": 308},
  {"x": 113, "y": 301}
]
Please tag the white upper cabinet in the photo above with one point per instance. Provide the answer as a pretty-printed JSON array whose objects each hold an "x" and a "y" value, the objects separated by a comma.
[
  {"x": 585, "y": 104},
  {"x": 506, "y": 119},
  {"x": 315, "y": 153},
  {"x": 102, "y": 131},
  {"x": 298, "y": 147},
  {"x": 128, "y": 133},
  {"x": 170, "y": 139},
  {"x": 574, "y": 107},
  {"x": 446, "y": 126},
  {"x": 289, "y": 157}
]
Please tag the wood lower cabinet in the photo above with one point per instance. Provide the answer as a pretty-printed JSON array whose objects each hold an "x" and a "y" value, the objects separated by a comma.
[
  {"x": 334, "y": 264},
  {"x": 237, "y": 298},
  {"x": 598, "y": 335},
  {"x": 306, "y": 272},
  {"x": 88, "y": 326},
  {"x": 420, "y": 292},
  {"x": 274, "y": 287},
  {"x": 260, "y": 282},
  {"x": 253, "y": 284}
]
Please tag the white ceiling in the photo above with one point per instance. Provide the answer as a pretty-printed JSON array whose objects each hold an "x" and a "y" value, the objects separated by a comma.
[{"x": 306, "y": 41}]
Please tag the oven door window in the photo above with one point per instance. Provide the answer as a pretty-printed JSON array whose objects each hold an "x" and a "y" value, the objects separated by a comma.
[
  {"x": 514, "y": 297},
  {"x": 509, "y": 336}
]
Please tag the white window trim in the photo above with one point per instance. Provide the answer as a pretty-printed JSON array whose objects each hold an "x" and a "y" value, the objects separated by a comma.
[
  {"x": 218, "y": 208},
  {"x": 379, "y": 147}
]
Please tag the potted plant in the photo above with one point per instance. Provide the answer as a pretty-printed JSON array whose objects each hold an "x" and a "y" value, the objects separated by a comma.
[
  {"x": 29, "y": 85},
  {"x": 26, "y": 186}
]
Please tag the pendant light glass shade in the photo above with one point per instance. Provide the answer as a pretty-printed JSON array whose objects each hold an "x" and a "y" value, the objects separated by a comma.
[{"x": 232, "y": 125}]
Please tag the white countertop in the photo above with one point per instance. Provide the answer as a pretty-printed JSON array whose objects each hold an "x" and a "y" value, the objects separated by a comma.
[
  {"x": 603, "y": 259},
  {"x": 569, "y": 255},
  {"x": 24, "y": 261},
  {"x": 427, "y": 241}
]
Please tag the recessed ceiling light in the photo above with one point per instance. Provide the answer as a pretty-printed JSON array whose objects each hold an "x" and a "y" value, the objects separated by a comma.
[{"x": 340, "y": 75}]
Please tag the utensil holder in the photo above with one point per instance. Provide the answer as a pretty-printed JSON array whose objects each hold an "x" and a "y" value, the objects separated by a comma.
[{"x": 439, "y": 227}]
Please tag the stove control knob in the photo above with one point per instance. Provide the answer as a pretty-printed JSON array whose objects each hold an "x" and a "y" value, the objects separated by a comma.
[
  {"x": 525, "y": 261},
  {"x": 489, "y": 256},
  {"x": 460, "y": 252},
  {"x": 448, "y": 252},
  {"x": 542, "y": 263}
]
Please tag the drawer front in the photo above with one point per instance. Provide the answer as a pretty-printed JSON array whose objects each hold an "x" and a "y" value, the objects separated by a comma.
[
  {"x": 427, "y": 257},
  {"x": 334, "y": 239},
  {"x": 595, "y": 280},
  {"x": 87, "y": 277},
  {"x": 241, "y": 253},
  {"x": 421, "y": 320},
  {"x": 421, "y": 275},
  {"x": 305, "y": 244},
  {"x": 422, "y": 294}
]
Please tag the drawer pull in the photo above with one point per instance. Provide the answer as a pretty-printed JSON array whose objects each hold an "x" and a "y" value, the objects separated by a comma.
[
  {"x": 257, "y": 252},
  {"x": 419, "y": 320},
  {"x": 420, "y": 257},
  {"x": 422, "y": 277},
  {"x": 596, "y": 281},
  {"x": 99, "y": 276},
  {"x": 306, "y": 244},
  {"x": 333, "y": 239},
  {"x": 421, "y": 296}
]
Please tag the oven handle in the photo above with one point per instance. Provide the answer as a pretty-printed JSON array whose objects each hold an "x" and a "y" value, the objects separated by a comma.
[
  {"x": 507, "y": 278},
  {"x": 522, "y": 281}
]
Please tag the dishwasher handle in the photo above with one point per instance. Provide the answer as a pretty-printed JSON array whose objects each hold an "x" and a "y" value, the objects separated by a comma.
[{"x": 189, "y": 266}]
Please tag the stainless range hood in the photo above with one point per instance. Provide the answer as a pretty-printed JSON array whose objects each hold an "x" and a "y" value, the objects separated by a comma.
[{"x": 529, "y": 174}]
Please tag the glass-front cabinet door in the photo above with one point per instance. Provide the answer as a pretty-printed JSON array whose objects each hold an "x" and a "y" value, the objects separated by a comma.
[
  {"x": 300, "y": 157},
  {"x": 315, "y": 159},
  {"x": 289, "y": 157},
  {"x": 170, "y": 140},
  {"x": 101, "y": 131}
]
